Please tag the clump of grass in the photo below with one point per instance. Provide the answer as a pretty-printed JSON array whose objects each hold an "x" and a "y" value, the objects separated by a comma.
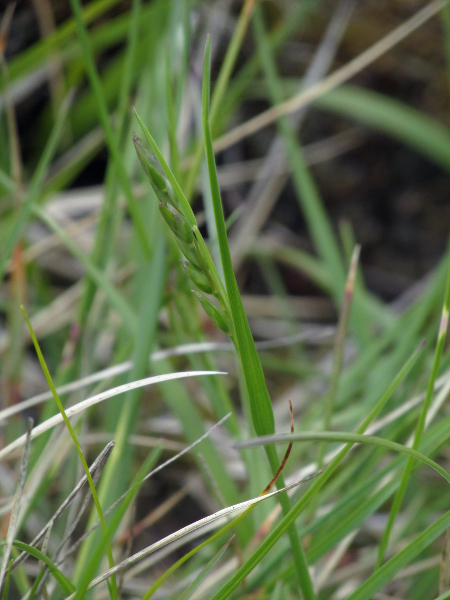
[{"x": 363, "y": 427}]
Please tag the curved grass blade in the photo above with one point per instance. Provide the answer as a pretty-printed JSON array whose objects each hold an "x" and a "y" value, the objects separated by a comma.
[
  {"x": 398, "y": 120},
  {"x": 159, "y": 468},
  {"x": 181, "y": 350},
  {"x": 51, "y": 385},
  {"x": 290, "y": 518},
  {"x": 64, "y": 583},
  {"x": 219, "y": 516},
  {"x": 398, "y": 498},
  {"x": 232, "y": 523},
  {"x": 56, "y": 419},
  {"x": 353, "y": 438}
]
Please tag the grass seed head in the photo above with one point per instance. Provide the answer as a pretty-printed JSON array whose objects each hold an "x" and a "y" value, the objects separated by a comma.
[
  {"x": 216, "y": 314},
  {"x": 198, "y": 278},
  {"x": 191, "y": 252},
  {"x": 177, "y": 223},
  {"x": 155, "y": 173}
]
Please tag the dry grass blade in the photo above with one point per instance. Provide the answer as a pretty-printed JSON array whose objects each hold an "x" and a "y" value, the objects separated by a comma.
[
  {"x": 151, "y": 474},
  {"x": 311, "y": 334},
  {"x": 16, "y": 504},
  {"x": 81, "y": 406},
  {"x": 218, "y": 518},
  {"x": 95, "y": 470}
]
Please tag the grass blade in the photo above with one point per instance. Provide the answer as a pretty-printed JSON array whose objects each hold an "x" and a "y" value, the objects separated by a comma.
[
  {"x": 35, "y": 185},
  {"x": 260, "y": 404},
  {"x": 113, "y": 589},
  {"x": 215, "y": 519},
  {"x": 73, "y": 410},
  {"x": 258, "y": 395},
  {"x": 122, "y": 176},
  {"x": 288, "y": 519},
  {"x": 16, "y": 504},
  {"x": 66, "y": 585},
  {"x": 189, "y": 591},
  {"x": 334, "y": 436},
  {"x": 398, "y": 498},
  {"x": 385, "y": 573},
  {"x": 412, "y": 127},
  {"x": 5, "y": 593}
]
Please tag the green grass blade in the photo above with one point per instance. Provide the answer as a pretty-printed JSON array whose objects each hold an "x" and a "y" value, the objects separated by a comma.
[
  {"x": 197, "y": 525},
  {"x": 290, "y": 518},
  {"x": 222, "y": 81},
  {"x": 34, "y": 588},
  {"x": 260, "y": 404},
  {"x": 48, "y": 377},
  {"x": 36, "y": 55},
  {"x": 153, "y": 279},
  {"x": 5, "y": 593},
  {"x": 257, "y": 393},
  {"x": 105, "y": 231},
  {"x": 189, "y": 591},
  {"x": 412, "y": 127},
  {"x": 114, "y": 297},
  {"x": 385, "y": 573},
  {"x": 66, "y": 585},
  {"x": 230, "y": 525},
  {"x": 398, "y": 499},
  {"x": 310, "y": 202},
  {"x": 97, "y": 555},
  {"x": 335, "y": 436},
  {"x": 113, "y": 148}
]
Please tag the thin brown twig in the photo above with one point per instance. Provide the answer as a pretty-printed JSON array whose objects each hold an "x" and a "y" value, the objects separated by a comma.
[{"x": 285, "y": 457}]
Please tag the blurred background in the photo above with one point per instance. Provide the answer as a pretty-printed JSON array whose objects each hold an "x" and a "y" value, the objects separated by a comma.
[{"x": 363, "y": 159}]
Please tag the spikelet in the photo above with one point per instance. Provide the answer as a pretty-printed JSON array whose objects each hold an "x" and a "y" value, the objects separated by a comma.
[
  {"x": 216, "y": 314},
  {"x": 198, "y": 278},
  {"x": 198, "y": 266},
  {"x": 177, "y": 223}
]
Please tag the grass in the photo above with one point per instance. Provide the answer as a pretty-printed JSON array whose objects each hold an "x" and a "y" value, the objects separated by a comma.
[{"x": 128, "y": 433}]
